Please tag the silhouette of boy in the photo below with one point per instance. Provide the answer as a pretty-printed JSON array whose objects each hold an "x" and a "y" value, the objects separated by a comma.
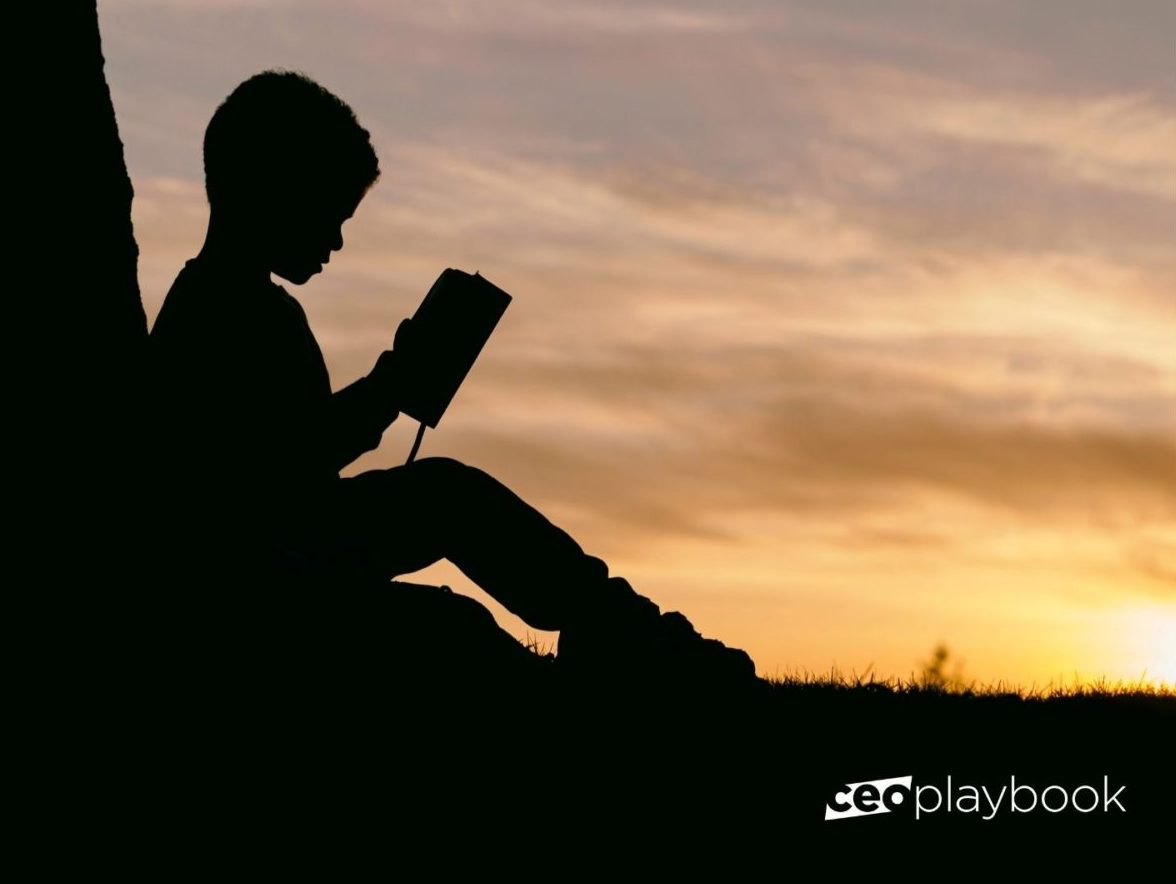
[{"x": 251, "y": 437}]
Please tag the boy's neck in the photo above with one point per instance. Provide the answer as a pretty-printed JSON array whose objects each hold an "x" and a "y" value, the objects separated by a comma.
[{"x": 226, "y": 249}]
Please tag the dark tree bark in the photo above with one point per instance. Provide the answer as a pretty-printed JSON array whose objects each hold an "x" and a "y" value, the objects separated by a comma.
[
  {"x": 77, "y": 338},
  {"x": 84, "y": 331}
]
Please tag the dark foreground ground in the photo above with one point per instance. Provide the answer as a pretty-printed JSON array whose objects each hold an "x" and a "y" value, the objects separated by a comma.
[{"x": 282, "y": 730}]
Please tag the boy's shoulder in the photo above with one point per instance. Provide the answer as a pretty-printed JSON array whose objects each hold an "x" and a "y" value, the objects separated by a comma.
[
  {"x": 205, "y": 295},
  {"x": 215, "y": 284}
]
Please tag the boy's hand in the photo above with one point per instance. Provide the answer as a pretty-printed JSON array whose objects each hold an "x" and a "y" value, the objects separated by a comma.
[{"x": 391, "y": 366}]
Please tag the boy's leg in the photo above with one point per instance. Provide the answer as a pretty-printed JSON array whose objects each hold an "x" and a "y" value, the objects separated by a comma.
[
  {"x": 395, "y": 521},
  {"x": 399, "y": 520}
]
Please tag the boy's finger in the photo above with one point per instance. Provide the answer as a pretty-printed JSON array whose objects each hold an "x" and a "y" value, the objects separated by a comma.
[{"x": 401, "y": 332}]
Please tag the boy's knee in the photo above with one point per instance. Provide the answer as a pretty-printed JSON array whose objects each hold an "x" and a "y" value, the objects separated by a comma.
[
  {"x": 438, "y": 464},
  {"x": 442, "y": 470},
  {"x": 467, "y": 481}
]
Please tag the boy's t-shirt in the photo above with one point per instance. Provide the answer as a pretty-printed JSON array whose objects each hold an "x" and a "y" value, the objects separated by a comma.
[{"x": 247, "y": 428}]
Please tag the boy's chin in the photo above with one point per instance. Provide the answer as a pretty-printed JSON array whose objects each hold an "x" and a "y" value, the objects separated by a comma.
[{"x": 297, "y": 275}]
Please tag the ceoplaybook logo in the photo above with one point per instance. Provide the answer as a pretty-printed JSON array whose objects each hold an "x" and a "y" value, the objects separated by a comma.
[{"x": 893, "y": 794}]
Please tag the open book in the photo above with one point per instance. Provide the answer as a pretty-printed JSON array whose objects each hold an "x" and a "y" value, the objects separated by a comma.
[{"x": 450, "y": 327}]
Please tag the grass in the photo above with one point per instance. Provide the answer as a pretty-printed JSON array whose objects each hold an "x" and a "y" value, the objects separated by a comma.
[{"x": 835, "y": 680}]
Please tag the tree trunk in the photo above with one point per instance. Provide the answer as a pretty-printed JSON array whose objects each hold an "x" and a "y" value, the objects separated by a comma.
[
  {"x": 78, "y": 334},
  {"x": 86, "y": 331}
]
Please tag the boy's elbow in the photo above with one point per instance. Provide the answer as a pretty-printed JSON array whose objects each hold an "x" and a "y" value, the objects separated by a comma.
[
  {"x": 373, "y": 441},
  {"x": 362, "y": 444}
]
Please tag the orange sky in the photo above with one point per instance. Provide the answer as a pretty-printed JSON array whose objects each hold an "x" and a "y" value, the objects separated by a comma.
[{"x": 845, "y": 328}]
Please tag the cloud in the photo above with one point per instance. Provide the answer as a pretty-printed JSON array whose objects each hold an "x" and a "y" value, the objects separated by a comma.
[
  {"x": 636, "y": 439},
  {"x": 1123, "y": 142}
]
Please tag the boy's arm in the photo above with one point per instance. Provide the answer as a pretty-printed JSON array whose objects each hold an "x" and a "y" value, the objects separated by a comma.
[
  {"x": 361, "y": 411},
  {"x": 359, "y": 414}
]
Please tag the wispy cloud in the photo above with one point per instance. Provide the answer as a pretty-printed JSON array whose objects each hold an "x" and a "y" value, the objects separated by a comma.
[{"x": 1123, "y": 142}]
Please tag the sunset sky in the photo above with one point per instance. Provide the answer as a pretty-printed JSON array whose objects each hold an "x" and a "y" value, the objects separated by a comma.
[{"x": 843, "y": 327}]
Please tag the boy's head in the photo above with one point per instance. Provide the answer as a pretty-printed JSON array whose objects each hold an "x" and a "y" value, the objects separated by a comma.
[{"x": 286, "y": 163}]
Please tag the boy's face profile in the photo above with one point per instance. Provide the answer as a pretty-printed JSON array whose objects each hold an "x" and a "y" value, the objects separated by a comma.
[{"x": 302, "y": 231}]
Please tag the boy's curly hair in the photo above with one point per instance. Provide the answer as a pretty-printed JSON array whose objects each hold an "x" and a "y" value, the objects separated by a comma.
[{"x": 280, "y": 129}]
